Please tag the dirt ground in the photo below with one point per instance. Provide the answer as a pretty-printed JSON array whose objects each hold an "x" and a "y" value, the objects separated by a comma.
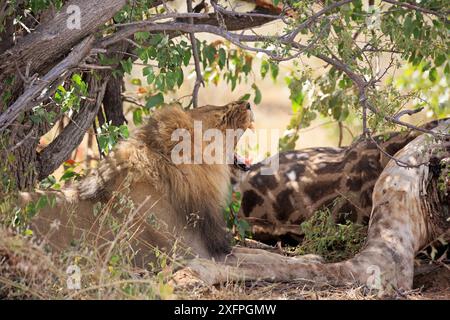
[{"x": 434, "y": 285}]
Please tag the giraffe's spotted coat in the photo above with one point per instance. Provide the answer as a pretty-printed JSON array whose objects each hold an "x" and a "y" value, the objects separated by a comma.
[{"x": 313, "y": 178}]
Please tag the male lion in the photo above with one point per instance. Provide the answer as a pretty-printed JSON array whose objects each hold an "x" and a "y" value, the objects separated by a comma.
[{"x": 169, "y": 204}]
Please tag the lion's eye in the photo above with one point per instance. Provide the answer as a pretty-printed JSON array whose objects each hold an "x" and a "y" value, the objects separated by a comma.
[{"x": 248, "y": 106}]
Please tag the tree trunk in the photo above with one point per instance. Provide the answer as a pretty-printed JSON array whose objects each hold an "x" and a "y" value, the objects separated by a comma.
[
  {"x": 37, "y": 53},
  {"x": 48, "y": 55},
  {"x": 112, "y": 102},
  {"x": 50, "y": 41}
]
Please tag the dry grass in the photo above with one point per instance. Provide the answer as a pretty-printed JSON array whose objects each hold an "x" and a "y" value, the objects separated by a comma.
[
  {"x": 27, "y": 271},
  {"x": 437, "y": 288},
  {"x": 30, "y": 270}
]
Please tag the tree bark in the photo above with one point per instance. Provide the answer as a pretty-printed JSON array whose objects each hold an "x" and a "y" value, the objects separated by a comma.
[
  {"x": 112, "y": 102},
  {"x": 42, "y": 55},
  {"x": 43, "y": 47},
  {"x": 38, "y": 53}
]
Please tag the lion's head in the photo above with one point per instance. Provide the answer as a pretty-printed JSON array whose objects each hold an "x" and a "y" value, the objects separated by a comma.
[
  {"x": 213, "y": 131},
  {"x": 235, "y": 115}
]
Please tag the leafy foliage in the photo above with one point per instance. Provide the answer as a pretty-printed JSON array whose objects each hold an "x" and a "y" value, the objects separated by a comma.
[
  {"x": 427, "y": 87},
  {"x": 108, "y": 135},
  {"x": 69, "y": 99},
  {"x": 334, "y": 242},
  {"x": 240, "y": 227}
]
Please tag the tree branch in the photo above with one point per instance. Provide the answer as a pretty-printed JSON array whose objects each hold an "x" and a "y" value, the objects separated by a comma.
[
  {"x": 54, "y": 39},
  {"x": 198, "y": 71},
  {"x": 45, "y": 86},
  {"x": 418, "y": 8}
]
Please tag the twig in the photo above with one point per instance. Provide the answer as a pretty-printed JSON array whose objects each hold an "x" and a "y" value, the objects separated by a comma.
[
  {"x": 198, "y": 71},
  {"x": 341, "y": 133},
  {"x": 417, "y": 8},
  {"x": 407, "y": 112},
  {"x": 94, "y": 67},
  {"x": 407, "y": 125},
  {"x": 27, "y": 80},
  {"x": 21, "y": 142},
  {"x": 399, "y": 162},
  {"x": 132, "y": 100},
  {"x": 314, "y": 17}
]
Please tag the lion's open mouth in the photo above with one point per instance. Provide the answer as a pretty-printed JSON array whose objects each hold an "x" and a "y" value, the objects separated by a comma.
[{"x": 240, "y": 163}]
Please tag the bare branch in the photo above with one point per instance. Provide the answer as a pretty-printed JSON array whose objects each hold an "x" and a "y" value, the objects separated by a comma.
[
  {"x": 417, "y": 8},
  {"x": 86, "y": 66},
  {"x": 198, "y": 71},
  {"x": 407, "y": 112},
  {"x": 399, "y": 162},
  {"x": 314, "y": 17},
  {"x": 132, "y": 100}
]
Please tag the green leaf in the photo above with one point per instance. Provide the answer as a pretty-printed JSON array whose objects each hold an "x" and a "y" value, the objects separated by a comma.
[
  {"x": 209, "y": 52},
  {"x": 439, "y": 60},
  {"x": 142, "y": 36},
  {"x": 127, "y": 65},
  {"x": 274, "y": 70},
  {"x": 247, "y": 66},
  {"x": 69, "y": 173},
  {"x": 187, "y": 57},
  {"x": 408, "y": 25},
  {"x": 149, "y": 73},
  {"x": 447, "y": 69},
  {"x": 245, "y": 97},
  {"x": 137, "y": 116},
  {"x": 160, "y": 82},
  {"x": 124, "y": 131},
  {"x": 265, "y": 67},
  {"x": 76, "y": 78},
  {"x": 136, "y": 82},
  {"x": 433, "y": 75},
  {"x": 171, "y": 79},
  {"x": 222, "y": 58},
  {"x": 155, "y": 101},
  {"x": 42, "y": 202},
  {"x": 180, "y": 76},
  {"x": 257, "y": 99}
]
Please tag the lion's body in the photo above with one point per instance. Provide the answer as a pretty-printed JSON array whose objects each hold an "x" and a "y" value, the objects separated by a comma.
[{"x": 152, "y": 201}]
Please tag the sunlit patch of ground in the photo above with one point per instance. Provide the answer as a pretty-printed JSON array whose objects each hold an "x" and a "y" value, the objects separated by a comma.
[{"x": 434, "y": 286}]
